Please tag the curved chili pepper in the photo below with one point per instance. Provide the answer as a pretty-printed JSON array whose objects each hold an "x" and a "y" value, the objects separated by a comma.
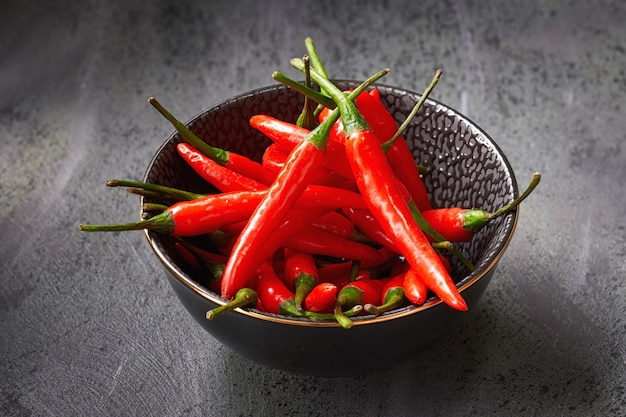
[
  {"x": 459, "y": 225},
  {"x": 274, "y": 159},
  {"x": 319, "y": 242},
  {"x": 300, "y": 269},
  {"x": 374, "y": 179},
  {"x": 231, "y": 160},
  {"x": 288, "y": 135},
  {"x": 415, "y": 288},
  {"x": 335, "y": 223},
  {"x": 399, "y": 155},
  {"x": 219, "y": 176},
  {"x": 365, "y": 221},
  {"x": 322, "y": 298}
]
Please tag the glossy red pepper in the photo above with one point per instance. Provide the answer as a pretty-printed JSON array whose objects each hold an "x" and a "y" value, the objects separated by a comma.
[
  {"x": 322, "y": 298},
  {"x": 374, "y": 179},
  {"x": 288, "y": 135},
  {"x": 459, "y": 224},
  {"x": 319, "y": 242},
  {"x": 384, "y": 127},
  {"x": 415, "y": 288},
  {"x": 215, "y": 174},
  {"x": 211, "y": 212},
  {"x": 300, "y": 270},
  {"x": 353, "y": 294},
  {"x": 399, "y": 154},
  {"x": 274, "y": 159}
]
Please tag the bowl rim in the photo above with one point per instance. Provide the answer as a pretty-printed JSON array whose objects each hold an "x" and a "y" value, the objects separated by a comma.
[{"x": 466, "y": 282}]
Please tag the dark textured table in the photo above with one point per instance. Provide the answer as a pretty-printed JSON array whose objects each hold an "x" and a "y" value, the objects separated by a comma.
[{"x": 90, "y": 326}]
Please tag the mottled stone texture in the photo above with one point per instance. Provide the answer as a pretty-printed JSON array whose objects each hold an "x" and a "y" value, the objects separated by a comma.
[{"x": 90, "y": 326}]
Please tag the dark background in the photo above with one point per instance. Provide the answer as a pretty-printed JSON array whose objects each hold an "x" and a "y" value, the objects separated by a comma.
[{"x": 89, "y": 325}]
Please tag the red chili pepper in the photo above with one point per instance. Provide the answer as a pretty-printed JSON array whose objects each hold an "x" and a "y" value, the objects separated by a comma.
[
  {"x": 392, "y": 296},
  {"x": 274, "y": 159},
  {"x": 415, "y": 287},
  {"x": 215, "y": 174},
  {"x": 374, "y": 179},
  {"x": 459, "y": 225},
  {"x": 384, "y": 127},
  {"x": 301, "y": 271},
  {"x": 335, "y": 223},
  {"x": 288, "y": 135},
  {"x": 318, "y": 242},
  {"x": 399, "y": 155},
  {"x": 355, "y": 293},
  {"x": 211, "y": 212},
  {"x": 231, "y": 160},
  {"x": 365, "y": 221},
  {"x": 322, "y": 298}
]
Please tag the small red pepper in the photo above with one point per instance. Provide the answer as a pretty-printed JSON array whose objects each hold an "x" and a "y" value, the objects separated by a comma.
[
  {"x": 459, "y": 224},
  {"x": 415, "y": 288},
  {"x": 322, "y": 298},
  {"x": 288, "y": 135},
  {"x": 392, "y": 296},
  {"x": 221, "y": 177},
  {"x": 211, "y": 212},
  {"x": 301, "y": 271}
]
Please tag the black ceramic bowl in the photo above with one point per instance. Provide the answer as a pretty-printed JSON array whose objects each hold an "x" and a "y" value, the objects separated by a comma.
[{"x": 467, "y": 169}]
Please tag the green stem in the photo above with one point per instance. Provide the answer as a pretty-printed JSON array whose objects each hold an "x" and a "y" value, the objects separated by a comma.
[
  {"x": 161, "y": 190},
  {"x": 161, "y": 223},
  {"x": 351, "y": 118},
  {"x": 154, "y": 207},
  {"x": 534, "y": 181},
  {"x": 244, "y": 297},
  {"x": 220, "y": 156},
  {"x": 319, "y": 135},
  {"x": 414, "y": 111},
  {"x": 314, "y": 56},
  {"x": 304, "y": 90},
  {"x": 307, "y": 118}
]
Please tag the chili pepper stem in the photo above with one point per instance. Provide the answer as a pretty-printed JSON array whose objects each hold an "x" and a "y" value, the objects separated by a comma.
[
  {"x": 414, "y": 110},
  {"x": 218, "y": 155},
  {"x": 341, "y": 318},
  {"x": 314, "y": 95},
  {"x": 534, "y": 181},
  {"x": 161, "y": 223},
  {"x": 166, "y": 192},
  {"x": 243, "y": 297},
  {"x": 474, "y": 220}
]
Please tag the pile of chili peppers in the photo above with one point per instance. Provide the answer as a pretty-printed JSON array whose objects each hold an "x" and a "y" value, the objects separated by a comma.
[{"x": 335, "y": 220}]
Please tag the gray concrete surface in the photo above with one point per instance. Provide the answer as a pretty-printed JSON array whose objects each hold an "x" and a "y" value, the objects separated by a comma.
[{"x": 88, "y": 323}]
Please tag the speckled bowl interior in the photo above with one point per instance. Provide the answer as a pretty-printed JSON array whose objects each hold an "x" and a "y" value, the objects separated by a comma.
[{"x": 466, "y": 168}]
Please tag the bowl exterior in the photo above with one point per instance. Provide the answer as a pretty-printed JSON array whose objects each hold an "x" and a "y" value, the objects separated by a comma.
[{"x": 466, "y": 168}]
